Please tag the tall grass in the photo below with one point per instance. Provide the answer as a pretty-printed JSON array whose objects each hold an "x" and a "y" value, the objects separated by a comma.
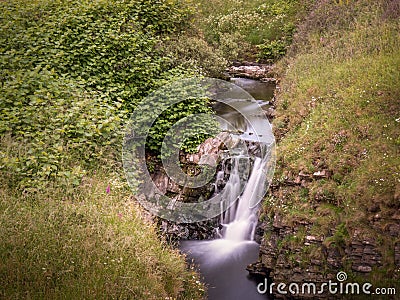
[{"x": 93, "y": 245}]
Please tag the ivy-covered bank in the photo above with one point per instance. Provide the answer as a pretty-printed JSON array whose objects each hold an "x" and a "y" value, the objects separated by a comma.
[
  {"x": 71, "y": 73},
  {"x": 334, "y": 203}
]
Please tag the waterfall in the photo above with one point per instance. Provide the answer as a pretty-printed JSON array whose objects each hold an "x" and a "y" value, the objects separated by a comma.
[
  {"x": 240, "y": 219},
  {"x": 223, "y": 261}
]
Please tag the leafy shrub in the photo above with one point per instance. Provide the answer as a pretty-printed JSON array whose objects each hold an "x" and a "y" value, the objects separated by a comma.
[
  {"x": 272, "y": 50},
  {"x": 191, "y": 135},
  {"x": 109, "y": 46},
  {"x": 173, "y": 116},
  {"x": 57, "y": 127},
  {"x": 196, "y": 54}
]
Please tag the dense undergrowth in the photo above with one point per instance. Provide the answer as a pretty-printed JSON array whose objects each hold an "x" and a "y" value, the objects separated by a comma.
[
  {"x": 71, "y": 73},
  {"x": 338, "y": 114}
]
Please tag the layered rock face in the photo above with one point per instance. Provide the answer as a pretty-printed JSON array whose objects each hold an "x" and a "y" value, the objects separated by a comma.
[
  {"x": 208, "y": 154},
  {"x": 293, "y": 251}
]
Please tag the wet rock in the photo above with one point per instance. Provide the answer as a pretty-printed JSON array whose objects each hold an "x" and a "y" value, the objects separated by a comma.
[
  {"x": 251, "y": 71},
  {"x": 270, "y": 113},
  {"x": 193, "y": 231},
  {"x": 259, "y": 232},
  {"x": 258, "y": 269},
  {"x": 208, "y": 152}
]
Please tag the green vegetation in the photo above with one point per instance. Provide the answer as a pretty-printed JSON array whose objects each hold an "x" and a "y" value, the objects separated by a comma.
[
  {"x": 180, "y": 119},
  {"x": 71, "y": 72},
  {"x": 92, "y": 61},
  {"x": 50, "y": 125},
  {"x": 108, "y": 46},
  {"x": 94, "y": 245},
  {"x": 338, "y": 111},
  {"x": 255, "y": 30}
]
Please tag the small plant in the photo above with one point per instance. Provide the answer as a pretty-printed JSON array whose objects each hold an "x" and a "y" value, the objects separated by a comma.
[{"x": 273, "y": 50}]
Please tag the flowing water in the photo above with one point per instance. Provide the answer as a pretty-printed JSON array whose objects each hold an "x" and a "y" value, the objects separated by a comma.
[
  {"x": 259, "y": 90},
  {"x": 222, "y": 262}
]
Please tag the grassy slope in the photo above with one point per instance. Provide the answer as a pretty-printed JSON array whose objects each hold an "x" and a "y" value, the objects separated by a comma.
[
  {"x": 94, "y": 245},
  {"x": 338, "y": 110}
]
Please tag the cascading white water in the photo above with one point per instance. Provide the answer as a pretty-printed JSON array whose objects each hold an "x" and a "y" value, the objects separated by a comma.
[
  {"x": 231, "y": 190},
  {"x": 235, "y": 248},
  {"x": 240, "y": 220}
]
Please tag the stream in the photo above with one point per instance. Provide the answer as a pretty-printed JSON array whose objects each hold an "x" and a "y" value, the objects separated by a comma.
[{"x": 222, "y": 262}]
